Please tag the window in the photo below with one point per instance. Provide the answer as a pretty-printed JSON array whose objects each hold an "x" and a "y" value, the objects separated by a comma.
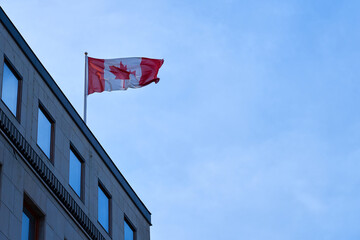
[
  {"x": 29, "y": 226},
  {"x": 129, "y": 230},
  {"x": 11, "y": 86},
  {"x": 104, "y": 208},
  {"x": 45, "y": 134},
  {"x": 31, "y": 221},
  {"x": 75, "y": 172}
]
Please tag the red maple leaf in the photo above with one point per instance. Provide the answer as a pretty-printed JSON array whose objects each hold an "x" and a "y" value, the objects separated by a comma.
[{"x": 121, "y": 72}]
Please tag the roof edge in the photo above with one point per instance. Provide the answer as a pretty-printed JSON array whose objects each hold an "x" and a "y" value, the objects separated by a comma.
[{"x": 25, "y": 48}]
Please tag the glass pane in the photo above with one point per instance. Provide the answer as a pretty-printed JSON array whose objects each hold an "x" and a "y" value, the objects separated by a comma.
[
  {"x": 25, "y": 228},
  {"x": 128, "y": 232},
  {"x": 103, "y": 209},
  {"x": 75, "y": 173},
  {"x": 10, "y": 89},
  {"x": 28, "y": 226},
  {"x": 44, "y": 133}
]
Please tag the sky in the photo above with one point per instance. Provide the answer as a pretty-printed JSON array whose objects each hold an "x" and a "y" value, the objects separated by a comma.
[{"x": 253, "y": 131}]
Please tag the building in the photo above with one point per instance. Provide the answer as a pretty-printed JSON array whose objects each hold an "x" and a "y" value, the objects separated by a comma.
[{"x": 56, "y": 181}]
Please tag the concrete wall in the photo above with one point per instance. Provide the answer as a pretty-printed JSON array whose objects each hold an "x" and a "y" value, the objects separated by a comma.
[{"x": 16, "y": 178}]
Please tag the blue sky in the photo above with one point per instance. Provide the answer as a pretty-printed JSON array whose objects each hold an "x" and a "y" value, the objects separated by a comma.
[{"x": 253, "y": 131}]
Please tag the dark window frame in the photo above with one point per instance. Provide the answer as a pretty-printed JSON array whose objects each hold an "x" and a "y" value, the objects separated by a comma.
[
  {"x": 18, "y": 76},
  {"x": 131, "y": 225},
  {"x": 108, "y": 195},
  {"x": 34, "y": 222},
  {"x": 52, "y": 135},
  {"x": 30, "y": 208},
  {"x": 82, "y": 177}
]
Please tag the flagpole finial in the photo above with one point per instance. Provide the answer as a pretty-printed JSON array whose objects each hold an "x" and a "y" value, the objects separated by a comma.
[{"x": 86, "y": 53}]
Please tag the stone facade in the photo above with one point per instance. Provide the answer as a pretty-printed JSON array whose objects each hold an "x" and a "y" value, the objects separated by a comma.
[{"x": 27, "y": 175}]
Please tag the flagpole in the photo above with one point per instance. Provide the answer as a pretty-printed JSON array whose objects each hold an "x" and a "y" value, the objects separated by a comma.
[{"x": 86, "y": 85}]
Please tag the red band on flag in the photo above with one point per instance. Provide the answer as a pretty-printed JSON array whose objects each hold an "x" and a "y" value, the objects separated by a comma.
[
  {"x": 96, "y": 75},
  {"x": 149, "y": 70}
]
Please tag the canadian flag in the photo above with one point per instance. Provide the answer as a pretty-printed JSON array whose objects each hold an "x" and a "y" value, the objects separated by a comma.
[{"x": 121, "y": 73}]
